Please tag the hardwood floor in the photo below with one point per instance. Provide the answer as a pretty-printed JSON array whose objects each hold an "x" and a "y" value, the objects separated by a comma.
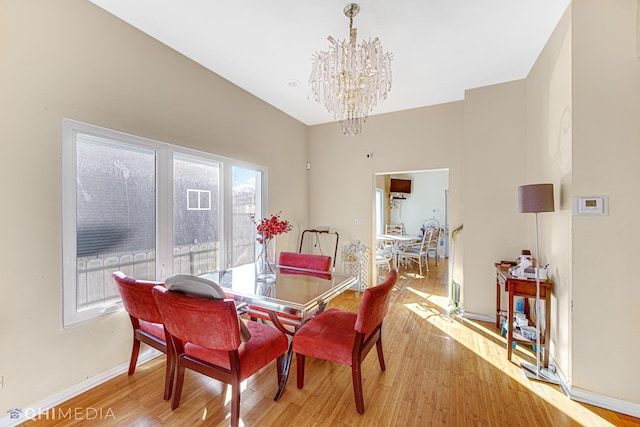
[{"x": 441, "y": 370}]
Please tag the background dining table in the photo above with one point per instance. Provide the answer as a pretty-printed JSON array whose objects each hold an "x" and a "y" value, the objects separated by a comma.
[{"x": 395, "y": 240}]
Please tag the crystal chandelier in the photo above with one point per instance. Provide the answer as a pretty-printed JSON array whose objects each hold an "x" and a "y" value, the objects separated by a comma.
[{"x": 349, "y": 78}]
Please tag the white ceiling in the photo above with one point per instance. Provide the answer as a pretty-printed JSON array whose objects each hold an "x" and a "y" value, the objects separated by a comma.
[{"x": 440, "y": 47}]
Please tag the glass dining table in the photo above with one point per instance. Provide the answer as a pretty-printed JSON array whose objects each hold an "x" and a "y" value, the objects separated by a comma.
[{"x": 292, "y": 295}]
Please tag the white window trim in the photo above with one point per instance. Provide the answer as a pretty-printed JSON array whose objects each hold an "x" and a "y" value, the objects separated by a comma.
[
  {"x": 199, "y": 193},
  {"x": 164, "y": 208}
]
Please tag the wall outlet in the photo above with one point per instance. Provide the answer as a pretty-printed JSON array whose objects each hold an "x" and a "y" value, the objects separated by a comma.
[{"x": 357, "y": 221}]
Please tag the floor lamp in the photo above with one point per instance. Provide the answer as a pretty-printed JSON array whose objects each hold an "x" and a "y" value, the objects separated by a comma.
[{"x": 537, "y": 198}]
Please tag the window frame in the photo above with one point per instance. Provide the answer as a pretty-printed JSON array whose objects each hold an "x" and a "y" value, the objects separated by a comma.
[
  {"x": 199, "y": 193},
  {"x": 164, "y": 208}
]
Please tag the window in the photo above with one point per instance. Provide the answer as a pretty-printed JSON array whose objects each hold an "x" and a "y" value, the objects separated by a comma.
[
  {"x": 247, "y": 198},
  {"x": 195, "y": 223},
  {"x": 198, "y": 200},
  {"x": 148, "y": 209}
]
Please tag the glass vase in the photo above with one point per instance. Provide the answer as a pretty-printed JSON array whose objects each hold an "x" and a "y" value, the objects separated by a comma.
[{"x": 266, "y": 260}]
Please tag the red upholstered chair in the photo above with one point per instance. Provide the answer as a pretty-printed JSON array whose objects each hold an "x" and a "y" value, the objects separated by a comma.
[
  {"x": 293, "y": 259},
  {"x": 307, "y": 261},
  {"x": 146, "y": 321},
  {"x": 206, "y": 338},
  {"x": 346, "y": 337}
]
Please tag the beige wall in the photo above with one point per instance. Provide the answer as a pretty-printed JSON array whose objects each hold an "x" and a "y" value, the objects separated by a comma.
[
  {"x": 72, "y": 59},
  {"x": 606, "y": 135},
  {"x": 493, "y": 167},
  {"x": 548, "y": 154},
  {"x": 342, "y": 180}
]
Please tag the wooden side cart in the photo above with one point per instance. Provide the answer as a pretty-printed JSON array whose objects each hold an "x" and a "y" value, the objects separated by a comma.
[{"x": 522, "y": 287}]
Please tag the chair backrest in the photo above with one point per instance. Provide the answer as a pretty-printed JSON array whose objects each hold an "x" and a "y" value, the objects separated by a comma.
[
  {"x": 308, "y": 261},
  {"x": 434, "y": 237},
  {"x": 201, "y": 287},
  {"x": 430, "y": 223},
  {"x": 394, "y": 229},
  {"x": 424, "y": 243},
  {"x": 375, "y": 304},
  {"x": 137, "y": 297},
  {"x": 194, "y": 285},
  {"x": 211, "y": 323}
]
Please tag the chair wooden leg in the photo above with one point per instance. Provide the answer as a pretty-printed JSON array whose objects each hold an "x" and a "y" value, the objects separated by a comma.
[
  {"x": 300, "y": 370},
  {"x": 356, "y": 374},
  {"x": 134, "y": 355},
  {"x": 380, "y": 355},
  {"x": 170, "y": 367},
  {"x": 168, "y": 375},
  {"x": 177, "y": 385},
  {"x": 235, "y": 401}
]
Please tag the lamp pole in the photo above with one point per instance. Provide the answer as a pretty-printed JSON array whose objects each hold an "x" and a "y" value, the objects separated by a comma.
[
  {"x": 537, "y": 198},
  {"x": 538, "y": 303}
]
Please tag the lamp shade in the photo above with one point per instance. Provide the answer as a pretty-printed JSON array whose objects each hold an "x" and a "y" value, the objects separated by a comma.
[{"x": 535, "y": 198}]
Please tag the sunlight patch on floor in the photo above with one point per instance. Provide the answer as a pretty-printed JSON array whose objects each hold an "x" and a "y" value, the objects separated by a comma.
[
  {"x": 228, "y": 394},
  {"x": 440, "y": 301},
  {"x": 434, "y": 308}
]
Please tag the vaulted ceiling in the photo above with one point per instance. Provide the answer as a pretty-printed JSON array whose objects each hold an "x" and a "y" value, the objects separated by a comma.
[{"x": 440, "y": 47}]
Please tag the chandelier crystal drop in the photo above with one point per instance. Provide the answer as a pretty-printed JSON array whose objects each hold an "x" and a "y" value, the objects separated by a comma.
[{"x": 350, "y": 78}]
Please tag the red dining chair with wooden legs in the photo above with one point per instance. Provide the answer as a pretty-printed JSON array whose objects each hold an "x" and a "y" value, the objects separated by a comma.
[
  {"x": 206, "y": 338},
  {"x": 346, "y": 337},
  {"x": 147, "y": 322},
  {"x": 297, "y": 260}
]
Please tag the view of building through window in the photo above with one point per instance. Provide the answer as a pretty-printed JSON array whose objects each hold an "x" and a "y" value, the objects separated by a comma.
[
  {"x": 196, "y": 241},
  {"x": 116, "y": 205},
  {"x": 247, "y": 185},
  {"x": 116, "y": 217}
]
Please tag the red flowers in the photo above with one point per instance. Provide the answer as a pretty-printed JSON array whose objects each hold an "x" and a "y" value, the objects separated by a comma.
[{"x": 270, "y": 227}]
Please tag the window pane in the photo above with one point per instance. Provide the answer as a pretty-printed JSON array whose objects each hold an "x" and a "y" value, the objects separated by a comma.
[
  {"x": 247, "y": 185},
  {"x": 115, "y": 208},
  {"x": 195, "y": 216}
]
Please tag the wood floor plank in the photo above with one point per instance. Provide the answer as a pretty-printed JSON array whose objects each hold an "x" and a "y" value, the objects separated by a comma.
[{"x": 441, "y": 371}]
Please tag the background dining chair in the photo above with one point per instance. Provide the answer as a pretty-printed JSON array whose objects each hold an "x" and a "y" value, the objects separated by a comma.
[
  {"x": 432, "y": 245},
  {"x": 147, "y": 322},
  {"x": 430, "y": 223},
  {"x": 383, "y": 256},
  {"x": 306, "y": 261},
  {"x": 206, "y": 339},
  {"x": 346, "y": 337},
  {"x": 298, "y": 260},
  {"x": 417, "y": 252}
]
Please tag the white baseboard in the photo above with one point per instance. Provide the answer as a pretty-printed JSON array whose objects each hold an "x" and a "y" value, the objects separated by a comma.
[
  {"x": 480, "y": 317},
  {"x": 606, "y": 402},
  {"x": 23, "y": 414}
]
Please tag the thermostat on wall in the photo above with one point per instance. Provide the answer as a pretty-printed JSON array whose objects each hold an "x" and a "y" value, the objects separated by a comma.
[{"x": 596, "y": 205}]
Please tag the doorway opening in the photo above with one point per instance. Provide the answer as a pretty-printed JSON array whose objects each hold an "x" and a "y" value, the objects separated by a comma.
[{"x": 411, "y": 201}]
